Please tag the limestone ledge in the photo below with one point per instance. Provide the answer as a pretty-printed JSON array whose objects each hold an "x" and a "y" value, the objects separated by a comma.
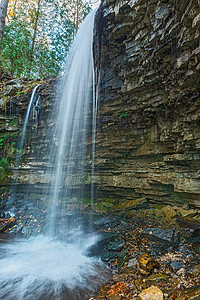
[{"x": 148, "y": 139}]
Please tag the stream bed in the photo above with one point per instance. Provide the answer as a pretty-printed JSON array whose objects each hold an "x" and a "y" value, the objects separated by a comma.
[{"x": 113, "y": 255}]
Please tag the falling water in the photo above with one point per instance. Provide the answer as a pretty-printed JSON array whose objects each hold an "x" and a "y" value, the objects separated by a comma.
[
  {"x": 77, "y": 108},
  {"x": 36, "y": 108},
  {"x": 21, "y": 142},
  {"x": 27, "y": 116},
  {"x": 56, "y": 266}
]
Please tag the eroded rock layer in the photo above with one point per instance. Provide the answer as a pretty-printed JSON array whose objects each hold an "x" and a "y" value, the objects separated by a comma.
[{"x": 147, "y": 54}]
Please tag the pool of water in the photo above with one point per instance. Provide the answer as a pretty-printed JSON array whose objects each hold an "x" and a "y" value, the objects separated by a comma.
[{"x": 44, "y": 267}]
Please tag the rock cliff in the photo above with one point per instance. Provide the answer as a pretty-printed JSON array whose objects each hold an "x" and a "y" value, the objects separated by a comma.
[
  {"x": 147, "y": 63},
  {"x": 147, "y": 54}
]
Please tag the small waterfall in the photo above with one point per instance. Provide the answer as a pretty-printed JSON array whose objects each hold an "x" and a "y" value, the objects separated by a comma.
[
  {"x": 36, "y": 109},
  {"x": 21, "y": 142}
]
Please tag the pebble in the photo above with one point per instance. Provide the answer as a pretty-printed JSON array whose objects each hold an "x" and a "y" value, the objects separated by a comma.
[
  {"x": 152, "y": 293},
  {"x": 181, "y": 271},
  {"x": 132, "y": 263}
]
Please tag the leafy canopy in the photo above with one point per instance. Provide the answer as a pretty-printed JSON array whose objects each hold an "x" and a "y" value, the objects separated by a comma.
[{"x": 38, "y": 36}]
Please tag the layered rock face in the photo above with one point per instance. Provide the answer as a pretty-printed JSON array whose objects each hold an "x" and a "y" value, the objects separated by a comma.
[
  {"x": 147, "y": 58},
  {"x": 25, "y": 172}
]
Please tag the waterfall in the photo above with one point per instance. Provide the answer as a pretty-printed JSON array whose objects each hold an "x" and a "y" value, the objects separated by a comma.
[
  {"x": 57, "y": 265},
  {"x": 27, "y": 116},
  {"x": 77, "y": 108},
  {"x": 21, "y": 142}
]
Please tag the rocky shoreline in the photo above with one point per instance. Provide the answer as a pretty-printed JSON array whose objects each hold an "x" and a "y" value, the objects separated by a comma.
[{"x": 151, "y": 250}]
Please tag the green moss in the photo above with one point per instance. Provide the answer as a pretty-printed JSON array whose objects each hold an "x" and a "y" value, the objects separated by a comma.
[
  {"x": 4, "y": 189},
  {"x": 6, "y": 136},
  {"x": 159, "y": 206},
  {"x": 101, "y": 206},
  {"x": 127, "y": 205},
  {"x": 4, "y": 172},
  {"x": 85, "y": 200},
  {"x": 13, "y": 122}
]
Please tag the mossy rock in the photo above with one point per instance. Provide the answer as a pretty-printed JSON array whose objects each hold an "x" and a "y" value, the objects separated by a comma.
[
  {"x": 190, "y": 294},
  {"x": 128, "y": 205}
]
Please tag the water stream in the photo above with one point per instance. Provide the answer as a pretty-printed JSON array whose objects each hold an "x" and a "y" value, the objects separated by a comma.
[
  {"x": 24, "y": 130},
  {"x": 55, "y": 265}
]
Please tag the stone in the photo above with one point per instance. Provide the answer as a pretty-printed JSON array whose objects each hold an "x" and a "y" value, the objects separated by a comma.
[
  {"x": 115, "y": 246},
  {"x": 176, "y": 265},
  {"x": 196, "y": 21},
  {"x": 189, "y": 294},
  {"x": 161, "y": 11},
  {"x": 169, "y": 212},
  {"x": 195, "y": 271},
  {"x": 159, "y": 234},
  {"x": 181, "y": 271},
  {"x": 185, "y": 212},
  {"x": 133, "y": 262},
  {"x": 113, "y": 297},
  {"x": 147, "y": 264},
  {"x": 152, "y": 293}
]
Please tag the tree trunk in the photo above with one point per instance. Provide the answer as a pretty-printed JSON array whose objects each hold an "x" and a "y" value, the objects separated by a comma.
[
  {"x": 3, "y": 12},
  {"x": 34, "y": 36}
]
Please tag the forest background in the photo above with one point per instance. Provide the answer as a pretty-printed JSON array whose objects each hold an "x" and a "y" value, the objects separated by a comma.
[{"x": 37, "y": 35}]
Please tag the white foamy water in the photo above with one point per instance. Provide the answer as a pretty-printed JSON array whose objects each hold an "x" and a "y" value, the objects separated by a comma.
[{"x": 43, "y": 268}]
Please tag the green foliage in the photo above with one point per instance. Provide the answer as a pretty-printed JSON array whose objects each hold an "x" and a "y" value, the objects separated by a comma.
[
  {"x": 1, "y": 143},
  {"x": 15, "y": 48},
  {"x": 13, "y": 122},
  {"x": 38, "y": 36},
  {"x": 4, "y": 163},
  {"x": 121, "y": 115}
]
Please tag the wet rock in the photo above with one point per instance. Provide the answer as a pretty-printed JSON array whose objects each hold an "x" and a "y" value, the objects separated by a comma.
[
  {"x": 107, "y": 256},
  {"x": 113, "y": 297},
  {"x": 157, "y": 277},
  {"x": 147, "y": 264},
  {"x": 188, "y": 222},
  {"x": 176, "y": 265},
  {"x": 165, "y": 237},
  {"x": 169, "y": 212},
  {"x": 121, "y": 257},
  {"x": 185, "y": 212},
  {"x": 192, "y": 293},
  {"x": 195, "y": 238},
  {"x": 152, "y": 293},
  {"x": 133, "y": 262},
  {"x": 115, "y": 246},
  {"x": 100, "y": 248},
  {"x": 2, "y": 215},
  {"x": 159, "y": 233},
  {"x": 195, "y": 271},
  {"x": 181, "y": 272}
]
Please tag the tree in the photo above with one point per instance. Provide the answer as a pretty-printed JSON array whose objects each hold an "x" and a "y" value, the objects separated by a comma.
[
  {"x": 38, "y": 35},
  {"x": 37, "y": 15},
  {"x": 3, "y": 13},
  {"x": 16, "y": 49}
]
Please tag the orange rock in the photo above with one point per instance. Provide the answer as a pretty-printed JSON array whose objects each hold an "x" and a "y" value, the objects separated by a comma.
[{"x": 147, "y": 264}]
